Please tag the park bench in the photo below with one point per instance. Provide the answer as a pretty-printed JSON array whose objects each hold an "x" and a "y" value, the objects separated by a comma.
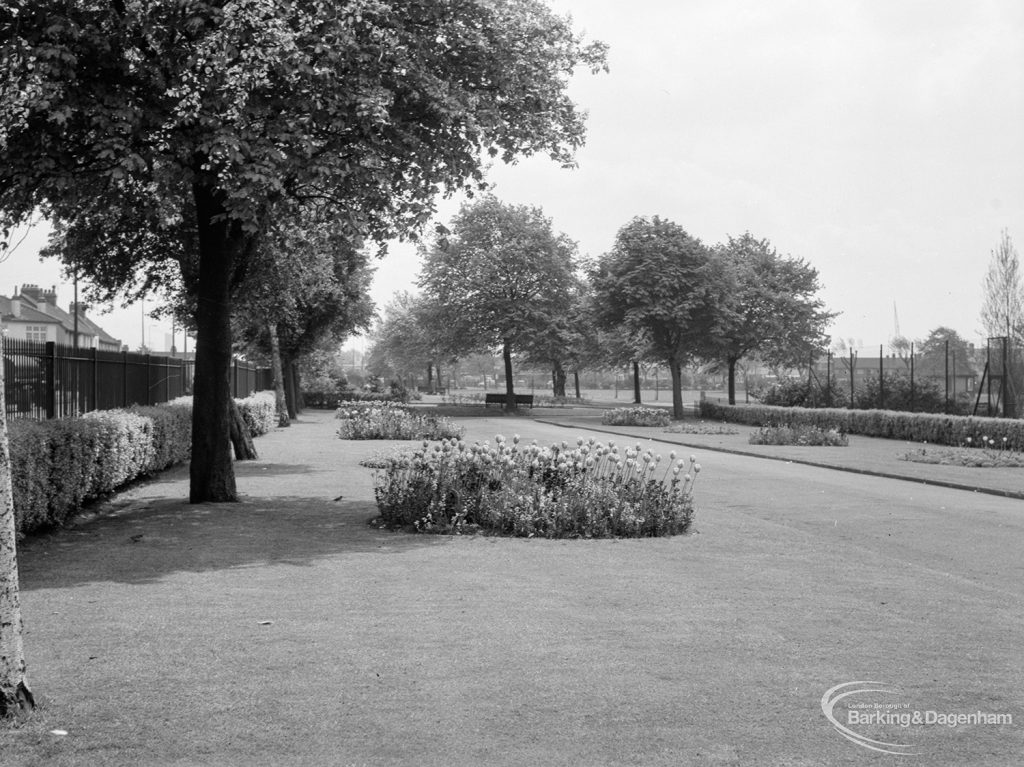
[{"x": 499, "y": 399}]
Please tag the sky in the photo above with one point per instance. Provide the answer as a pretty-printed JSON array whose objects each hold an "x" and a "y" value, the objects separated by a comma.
[{"x": 881, "y": 142}]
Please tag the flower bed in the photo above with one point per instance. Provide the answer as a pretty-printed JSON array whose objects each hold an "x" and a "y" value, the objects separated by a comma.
[
  {"x": 387, "y": 420},
  {"x": 799, "y": 434},
  {"x": 702, "y": 427},
  {"x": 636, "y": 416},
  {"x": 591, "y": 490}
]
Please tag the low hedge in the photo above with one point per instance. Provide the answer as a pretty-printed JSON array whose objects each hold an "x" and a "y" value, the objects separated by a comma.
[
  {"x": 58, "y": 465},
  {"x": 936, "y": 428},
  {"x": 259, "y": 411}
]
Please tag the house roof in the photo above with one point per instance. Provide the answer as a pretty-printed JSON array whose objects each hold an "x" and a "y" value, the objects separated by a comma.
[{"x": 28, "y": 314}]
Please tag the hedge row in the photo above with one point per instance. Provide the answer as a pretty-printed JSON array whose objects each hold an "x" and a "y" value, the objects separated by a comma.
[
  {"x": 58, "y": 465},
  {"x": 259, "y": 411},
  {"x": 935, "y": 428}
]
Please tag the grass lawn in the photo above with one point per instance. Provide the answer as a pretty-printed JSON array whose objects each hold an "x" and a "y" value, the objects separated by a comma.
[{"x": 285, "y": 631}]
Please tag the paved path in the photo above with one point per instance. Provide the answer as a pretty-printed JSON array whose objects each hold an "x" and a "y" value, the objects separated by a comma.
[{"x": 388, "y": 649}]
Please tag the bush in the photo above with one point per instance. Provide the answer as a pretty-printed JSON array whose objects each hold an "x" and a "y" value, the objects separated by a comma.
[
  {"x": 927, "y": 396},
  {"x": 588, "y": 491},
  {"x": 259, "y": 411},
  {"x": 802, "y": 393},
  {"x": 386, "y": 420},
  {"x": 636, "y": 416},
  {"x": 934, "y": 428},
  {"x": 59, "y": 465},
  {"x": 799, "y": 434}
]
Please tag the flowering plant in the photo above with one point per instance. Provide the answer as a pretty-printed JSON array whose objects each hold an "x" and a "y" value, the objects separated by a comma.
[
  {"x": 590, "y": 490},
  {"x": 387, "y": 420},
  {"x": 636, "y": 416}
]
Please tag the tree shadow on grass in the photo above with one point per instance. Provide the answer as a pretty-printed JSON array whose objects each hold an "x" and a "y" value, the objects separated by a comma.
[{"x": 153, "y": 538}]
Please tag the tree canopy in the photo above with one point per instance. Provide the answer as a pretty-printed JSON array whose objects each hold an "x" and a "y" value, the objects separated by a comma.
[
  {"x": 770, "y": 306},
  {"x": 662, "y": 284},
  {"x": 502, "y": 276},
  {"x": 1002, "y": 313},
  {"x": 224, "y": 116}
]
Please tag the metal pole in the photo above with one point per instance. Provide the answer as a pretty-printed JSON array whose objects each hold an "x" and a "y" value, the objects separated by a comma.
[
  {"x": 947, "y": 375},
  {"x": 828, "y": 378},
  {"x": 911, "y": 377},
  {"x": 881, "y": 377},
  {"x": 853, "y": 366}
]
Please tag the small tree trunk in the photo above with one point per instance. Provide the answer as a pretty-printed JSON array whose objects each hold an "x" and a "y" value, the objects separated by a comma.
[
  {"x": 289, "y": 387},
  {"x": 731, "y": 364},
  {"x": 300, "y": 403},
  {"x": 510, "y": 395},
  {"x": 15, "y": 695},
  {"x": 636, "y": 382},
  {"x": 278, "y": 373},
  {"x": 558, "y": 379},
  {"x": 241, "y": 438},
  {"x": 677, "y": 389},
  {"x": 576, "y": 382},
  {"x": 430, "y": 378}
]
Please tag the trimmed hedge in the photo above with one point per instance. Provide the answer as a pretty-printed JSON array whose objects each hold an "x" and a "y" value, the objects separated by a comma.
[
  {"x": 59, "y": 465},
  {"x": 259, "y": 411},
  {"x": 56, "y": 466},
  {"x": 936, "y": 428}
]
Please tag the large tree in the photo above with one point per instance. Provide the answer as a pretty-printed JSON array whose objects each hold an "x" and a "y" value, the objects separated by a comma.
[
  {"x": 770, "y": 307},
  {"x": 1002, "y": 313},
  {"x": 661, "y": 284},
  {"x": 502, "y": 275},
  {"x": 240, "y": 111}
]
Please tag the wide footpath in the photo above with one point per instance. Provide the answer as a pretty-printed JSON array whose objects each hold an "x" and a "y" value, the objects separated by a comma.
[{"x": 284, "y": 630}]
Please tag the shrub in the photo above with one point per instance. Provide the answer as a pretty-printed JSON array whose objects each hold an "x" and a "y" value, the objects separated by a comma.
[
  {"x": 259, "y": 411},
  {"x": 793, "y": 392},
  {"x": 933, "y": 428},
  {"x": 386, "y": 420},
  {"x": 588, "y": 491},
  {"x": 636, "y": 416},
  {"x": 799, "y": 434},
  {"x": 927, "y": 396},
  {"x": 59, "y": 465}
]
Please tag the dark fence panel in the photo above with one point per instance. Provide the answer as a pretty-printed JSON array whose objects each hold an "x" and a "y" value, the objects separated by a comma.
[{"x": 48, "y": 380}]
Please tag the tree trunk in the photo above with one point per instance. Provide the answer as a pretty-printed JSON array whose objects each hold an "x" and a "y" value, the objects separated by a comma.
[
  {"x": 731, "y": 363},
  {"x": 221, "y": 245},
  {"x": 278, "y": 372},
  {"x": 677, "y": 389},
  {"x": 300, "y": 403},
  {"x": 241, "y": 438},
  {"x": 15, "y": 695},
  {"x": 510, "y": 395},
  {"x": 430, "y": 378},
  {"x": 289, "y": 387},
  {"x": 576, "y": 382},
  {"x": 636, "y": 382},
  {"x": 558, "y": 377}
]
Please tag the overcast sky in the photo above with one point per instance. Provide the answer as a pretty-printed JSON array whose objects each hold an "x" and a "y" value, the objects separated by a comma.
[{"x": 883, "y": 142}]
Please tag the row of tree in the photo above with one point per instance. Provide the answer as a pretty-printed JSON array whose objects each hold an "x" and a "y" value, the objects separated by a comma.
[{"x": 501, "y": 278}]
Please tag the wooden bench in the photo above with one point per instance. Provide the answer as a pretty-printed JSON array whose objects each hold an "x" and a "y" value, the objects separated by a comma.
[{"x": 500, "y": 399}]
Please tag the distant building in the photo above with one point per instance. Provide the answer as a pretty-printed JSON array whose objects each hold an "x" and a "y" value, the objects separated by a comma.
[{"x": 32, "y": 314}]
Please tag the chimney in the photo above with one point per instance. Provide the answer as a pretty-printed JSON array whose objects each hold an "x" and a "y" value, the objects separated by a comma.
[{"x": 16, "y": 306}]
